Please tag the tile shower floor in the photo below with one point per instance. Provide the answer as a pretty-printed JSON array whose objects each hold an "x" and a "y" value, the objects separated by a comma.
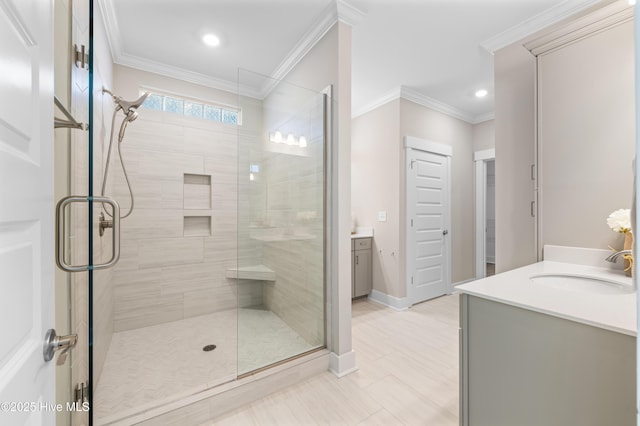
[{"x": 150, "y": 366}]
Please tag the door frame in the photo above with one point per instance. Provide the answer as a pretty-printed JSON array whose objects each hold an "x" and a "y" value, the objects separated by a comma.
[
  {"x": 413, "y": 143},
  {"x": 480, "y": 158}
]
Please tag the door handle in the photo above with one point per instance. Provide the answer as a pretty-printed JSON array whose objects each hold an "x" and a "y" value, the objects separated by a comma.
[
  {"x": 54, "y": 343},
  {"x": 445, "y": 232},
  {"x": 60, "y": 233}
]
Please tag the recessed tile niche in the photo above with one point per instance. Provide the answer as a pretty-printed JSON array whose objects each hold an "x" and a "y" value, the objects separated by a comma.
[
  {"x": 197, "y": 192},
  {"x": 197, "y": 196},
  {"x": 197, "y": 226}
]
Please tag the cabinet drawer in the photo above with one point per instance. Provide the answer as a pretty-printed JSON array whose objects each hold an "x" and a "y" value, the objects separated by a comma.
[{"x": 362, "y": 243}]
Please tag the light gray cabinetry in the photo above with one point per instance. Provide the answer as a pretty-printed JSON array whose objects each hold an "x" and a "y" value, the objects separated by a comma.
[
  {"x": 360, "y": 267},
  {"x": 520, "y": 367}
]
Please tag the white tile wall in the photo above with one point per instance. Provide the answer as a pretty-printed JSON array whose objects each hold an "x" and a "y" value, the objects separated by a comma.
[
  {"x": 168, "y": 272},
  {"x": 296, "y": 206}
]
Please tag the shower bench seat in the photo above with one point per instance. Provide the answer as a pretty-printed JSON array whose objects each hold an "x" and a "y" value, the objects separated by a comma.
[{"x": 254, "y": 272}]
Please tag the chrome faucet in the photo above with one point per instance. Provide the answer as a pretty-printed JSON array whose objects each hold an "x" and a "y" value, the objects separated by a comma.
[{"x": 613, "y": 257}]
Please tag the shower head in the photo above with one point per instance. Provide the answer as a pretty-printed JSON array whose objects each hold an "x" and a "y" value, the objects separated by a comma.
[
  {"x": 131, "y": 116},
  {"x": 127, "y": 106}
]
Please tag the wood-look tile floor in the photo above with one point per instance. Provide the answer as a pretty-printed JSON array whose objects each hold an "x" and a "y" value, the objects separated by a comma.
[{"x": 408, "y": 375}]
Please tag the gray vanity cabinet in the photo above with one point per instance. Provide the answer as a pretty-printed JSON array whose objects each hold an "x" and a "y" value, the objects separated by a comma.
[
  {"x": 520, "y": 367},
  {"x": 360, "y": 267}
]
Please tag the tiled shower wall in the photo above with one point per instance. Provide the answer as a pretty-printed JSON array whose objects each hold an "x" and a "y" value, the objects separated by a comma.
[
  {"x": 294, "y": 205},
  {"x": 181, "y": 236},
  {"x": 295, "y": 201}
]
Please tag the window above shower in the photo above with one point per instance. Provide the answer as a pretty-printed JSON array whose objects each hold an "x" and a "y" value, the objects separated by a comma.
[{"x": 193, "y": 108}]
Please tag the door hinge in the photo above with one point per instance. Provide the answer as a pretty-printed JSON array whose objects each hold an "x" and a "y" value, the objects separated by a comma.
[
  {"x": 82, "y": 393},
  {"x": 411, "y": 280},
  {"x": 80, "y": 57},
  {"x": 412, "y": 223},
  {"x": 411, "y": 164}
]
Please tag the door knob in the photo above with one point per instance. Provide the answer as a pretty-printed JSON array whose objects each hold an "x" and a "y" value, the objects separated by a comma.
[
  {"x": 445, "y": 232},
  {"x": 54, "y": 343}
]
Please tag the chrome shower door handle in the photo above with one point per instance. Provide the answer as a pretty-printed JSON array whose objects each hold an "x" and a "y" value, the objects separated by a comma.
[{"x": 61, "y": 233}]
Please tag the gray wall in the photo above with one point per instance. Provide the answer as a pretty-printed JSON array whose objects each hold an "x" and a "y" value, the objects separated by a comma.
[
  {"x": 484, "y": 135},
  {"x": 375, "y": 186},
  {"x": 515, "y": 125},
  {"x": 586, "y": 137},
  {"x": 585, "y": 128},
  {"x": 378, "y": 184}
]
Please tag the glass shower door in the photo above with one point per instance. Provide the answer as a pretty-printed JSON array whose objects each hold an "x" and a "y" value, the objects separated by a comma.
[
  {"x": 281, "y": 225},
  {"x": 72, "y": 186}
]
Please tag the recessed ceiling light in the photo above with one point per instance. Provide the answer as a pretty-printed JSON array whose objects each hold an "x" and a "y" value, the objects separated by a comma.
[
  {"x": 211, "y": 40},
  {"x": 481, "y": 93}
]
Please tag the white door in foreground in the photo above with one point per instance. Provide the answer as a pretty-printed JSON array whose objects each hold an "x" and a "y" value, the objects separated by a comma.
[{"x": 26, "y": 211}]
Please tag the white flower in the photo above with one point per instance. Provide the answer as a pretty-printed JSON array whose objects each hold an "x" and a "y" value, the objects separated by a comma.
[{"x": 620, "y": 220}]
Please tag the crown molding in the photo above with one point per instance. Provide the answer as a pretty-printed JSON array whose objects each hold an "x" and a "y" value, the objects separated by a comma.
[
  {"x": 593, "y": 23},
  {"x": 538, "y": 22},
  {"x": 122, "y": 58},
  {"x": 483, "y": 117},
  {"x": 186, "y": 75},
  {"x": 349, "y": 14},
  {"x": 420, "y": 99},
  {"x": 325, "y": 22},
  {"x": 334, "y": 12},
  {"x": 341, "y": 11},
  {"x": 386, "y": 98},
  {"x": 111, "y": 26}
]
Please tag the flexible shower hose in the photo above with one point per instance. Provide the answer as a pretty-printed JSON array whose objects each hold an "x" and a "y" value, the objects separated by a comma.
[{"x": 124, "y": 169}]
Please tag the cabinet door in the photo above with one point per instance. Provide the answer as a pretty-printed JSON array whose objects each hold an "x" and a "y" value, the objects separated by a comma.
[
  {"x": 353, "y": 273},
  {"x": 362, "y": 279}
]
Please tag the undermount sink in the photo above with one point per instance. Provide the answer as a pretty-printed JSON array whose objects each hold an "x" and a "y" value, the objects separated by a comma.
[{"x": 582, "y": 283}]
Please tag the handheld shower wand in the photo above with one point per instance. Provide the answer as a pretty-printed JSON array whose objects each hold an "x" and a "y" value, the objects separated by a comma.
[
  {"x": 131, "y": 116},
  {"x": 129, "y": 110}
]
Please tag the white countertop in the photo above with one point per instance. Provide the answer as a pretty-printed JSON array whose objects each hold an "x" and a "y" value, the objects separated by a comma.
[
  {"x": 363, "y": 232},
  {"x": 615, "y": 311}
]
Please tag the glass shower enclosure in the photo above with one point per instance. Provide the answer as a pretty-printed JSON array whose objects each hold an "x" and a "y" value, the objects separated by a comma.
[
  {"x": 222, "y": 261},
  {"x": 281, "y": 180}
]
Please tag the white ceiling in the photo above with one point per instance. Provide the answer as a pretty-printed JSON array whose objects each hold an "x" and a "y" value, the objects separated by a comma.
[{"x": 429, "y": 48}]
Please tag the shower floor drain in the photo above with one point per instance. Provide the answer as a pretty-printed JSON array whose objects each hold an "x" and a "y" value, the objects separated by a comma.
[{"x": 209, "y": 348}]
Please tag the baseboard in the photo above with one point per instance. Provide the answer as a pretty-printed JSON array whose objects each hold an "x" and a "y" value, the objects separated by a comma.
[
  {"x": 341, "y": 365},
  {"x": 395, "y": 303}
]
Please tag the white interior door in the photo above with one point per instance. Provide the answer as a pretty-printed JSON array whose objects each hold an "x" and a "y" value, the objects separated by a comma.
[
  {"x": 428, "y": 209},
  {"x": 484, "y": 210},
  {"x": 490, "y": 253},
  {"x": 26, "y": 211}
]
